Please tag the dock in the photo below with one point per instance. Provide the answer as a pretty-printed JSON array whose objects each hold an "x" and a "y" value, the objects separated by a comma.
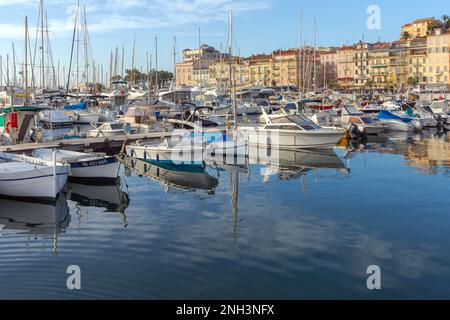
[{"x": 110, "y": 145}]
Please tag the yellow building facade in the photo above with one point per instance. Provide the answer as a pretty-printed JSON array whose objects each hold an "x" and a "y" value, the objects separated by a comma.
[{"x": 438, "y": 57}]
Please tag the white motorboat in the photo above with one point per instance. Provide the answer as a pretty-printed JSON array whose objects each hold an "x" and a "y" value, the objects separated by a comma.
[
  {"x": 365, "y": 124},
  {"x": 55, "y": 118},
  {"x": 397, "y": 123},
  {"x": 86, "y": 118},
  {"x": 247, "y": 108},
  {"x": 29, "y": 177},
  {"x": 175, "y": 149},
  {"x": 109, "y": 129},
  {"x": 292, "y": 132},
  {"x": 90, "y": 166}
]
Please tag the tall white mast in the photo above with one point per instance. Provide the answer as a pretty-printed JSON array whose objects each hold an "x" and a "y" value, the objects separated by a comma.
[
  {"x": 26, "y": 63},
  {"x": 314, "y": 56},
  {"x": 156, "y": 66},
  {"x": 232, "y": 89},
  {"x": 42, "y": 45}
]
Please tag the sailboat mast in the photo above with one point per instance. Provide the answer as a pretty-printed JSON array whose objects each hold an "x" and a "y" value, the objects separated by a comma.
[
  {"x": 26, "y": 62},
  {"x": 14, "y": 65},
  {"x": 200, "y": 78},
  {"x": 156, "y": 58},
  {"x": 132, "y": 62},
  {"x": 7, "y": 71},
  {"x": 110, "y": 68},
  {"x": 123, "y": 61},
  {"x": 314, "y": 56},
  {"x": 42, "y": 46},
  {"x": 85, "y": 44},
  {"x": 232, "y": 89},
  {"x": 300, "y": 71},
  {"x": 71, "y": 52},
  {"x": 174, "y": 60},
  {"x": 116, "y": 62}
]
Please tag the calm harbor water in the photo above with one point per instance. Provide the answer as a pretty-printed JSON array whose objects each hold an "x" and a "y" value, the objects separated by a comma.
[{"x": 305, "y": 226}]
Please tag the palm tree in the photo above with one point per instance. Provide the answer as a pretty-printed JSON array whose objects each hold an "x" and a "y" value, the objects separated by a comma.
[
  {"x": 436, "y": 24},
  {"x": 446, "y": 21},
  {"x": 406, "y": 35}
]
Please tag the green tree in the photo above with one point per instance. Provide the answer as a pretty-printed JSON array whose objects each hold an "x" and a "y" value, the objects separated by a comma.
[
  {"x": 436, "y": 24},
  {"x": 406, "y": 35},
  {"x": 413, "y": 81},
  {"x": 446, "y": 21}
]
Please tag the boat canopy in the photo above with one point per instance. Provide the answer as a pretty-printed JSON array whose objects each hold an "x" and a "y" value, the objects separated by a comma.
[
  {"x": 386, "y": 115},
  {"x": 80, "y": 106},
  {"x": 351, "y": 111}
]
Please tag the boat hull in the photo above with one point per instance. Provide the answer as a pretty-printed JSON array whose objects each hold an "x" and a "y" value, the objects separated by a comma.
[
  {"x": 163, "y": 155},
  {"x": 34, "y": 184},
  {"x": 104, "y": 169},
  {"x": 397, "y": 125},
  {"x": 288, "y": 139}
]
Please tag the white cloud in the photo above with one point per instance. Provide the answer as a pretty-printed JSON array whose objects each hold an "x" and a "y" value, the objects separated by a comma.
[{"x": 113, "y": 15}]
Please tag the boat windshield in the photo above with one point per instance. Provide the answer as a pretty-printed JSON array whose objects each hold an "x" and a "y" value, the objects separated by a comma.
[
  {"x": 302, "y": 122},
  {"x": 116, "y": 126},
  {"x": 368, "y": 120}
]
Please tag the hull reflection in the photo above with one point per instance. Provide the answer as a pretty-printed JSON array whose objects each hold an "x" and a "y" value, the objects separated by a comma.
[{"x": 184, "y": 177}]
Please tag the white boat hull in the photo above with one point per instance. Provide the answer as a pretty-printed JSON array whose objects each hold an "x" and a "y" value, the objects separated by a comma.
[
  {"x": 397, "y": 125},
  {"x": 290, "y": 139},
  {"x": 39, "y": 184},
  {"x": 172, "y": 155},
  {"x": 86, "y": 118}
]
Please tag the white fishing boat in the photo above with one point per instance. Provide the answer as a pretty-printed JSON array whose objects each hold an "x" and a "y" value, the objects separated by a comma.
[
  {"x": 55, "y": 118},
  {"x": 91, "y": 166},
  {"x": 292, "y": 132},
  {"x": 109, "y": 129},
  {"x": 29, "y": 177}
]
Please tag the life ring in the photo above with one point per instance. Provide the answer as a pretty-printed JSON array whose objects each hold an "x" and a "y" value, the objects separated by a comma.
[{"x": 8, "y": 127}]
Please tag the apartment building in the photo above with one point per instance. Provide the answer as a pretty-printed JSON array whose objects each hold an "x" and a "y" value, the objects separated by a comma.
[
  {"x": 398, "y": 65},
  {"x": 438, "y": 61},
  {"x": 328, "y": 67},
  {"x": 361, "y": 59},
  {"x": 185, "y": 74},
  {"x": 379, "y": 65},
  {"x": 219, "y": 73},
  {"x": 259, "y": 67},
  {"x": 346, "y": 66},
  {"x": 417, "y": 61},
  {"x": 418, "y": 28},
  {"x": 285, "y": 67}
]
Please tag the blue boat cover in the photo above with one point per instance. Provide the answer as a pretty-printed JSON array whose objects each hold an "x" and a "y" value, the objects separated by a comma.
[
  {"x": 386, "y": 115},
  {"x": 80, "y": 106}
]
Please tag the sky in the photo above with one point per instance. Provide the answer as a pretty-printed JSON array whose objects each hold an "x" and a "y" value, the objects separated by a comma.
[{"x": 259, "y": 25}]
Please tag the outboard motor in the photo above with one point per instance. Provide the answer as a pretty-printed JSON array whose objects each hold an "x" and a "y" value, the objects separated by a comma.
[{"x": 354, "y": 132}]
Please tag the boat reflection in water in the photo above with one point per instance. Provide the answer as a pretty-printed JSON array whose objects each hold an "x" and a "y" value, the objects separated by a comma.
[
  {"x": 171, "y": 175},
  {"x": 289, "y": 164},
  {"x": 35, "y": 219},
  {"x": 108, "y": 196}
]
